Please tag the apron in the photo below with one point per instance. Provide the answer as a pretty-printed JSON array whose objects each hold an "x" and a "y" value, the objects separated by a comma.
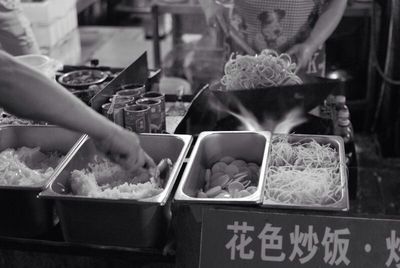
[
  {"x": 277, "y": 25},
  {"x": 16, "y": 35},
  {"x": 10, "y": 4}
]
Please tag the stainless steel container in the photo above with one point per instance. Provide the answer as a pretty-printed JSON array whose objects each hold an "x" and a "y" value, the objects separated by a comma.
[
  {"x": 155, "y": 113},
  {"x": 212, "y": 146},
  {"x": 132, "y": 93},
  {"x": 157, "y": 96},
  {"x": 22, "y": 213},
  {"x": 337, "y": 143},
  {"x": 137, "y": 118},
  {"x": 117, "y": 222}
]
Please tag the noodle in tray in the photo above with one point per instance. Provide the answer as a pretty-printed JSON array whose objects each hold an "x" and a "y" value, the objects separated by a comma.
[{"x": 303, "y": 173}]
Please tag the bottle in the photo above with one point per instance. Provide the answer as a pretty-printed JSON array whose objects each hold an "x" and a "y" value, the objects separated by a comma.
[
  {"x": 345, "y": 130},
  {"x": 340, "y": 102},
  {"x": 344, "y": 113},
  {"x": 326, "y": 108}
]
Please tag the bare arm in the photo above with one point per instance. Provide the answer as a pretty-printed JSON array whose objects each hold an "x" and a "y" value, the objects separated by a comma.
[
  {"x": 207, "y": 6},
  {"x": 27, "y": 93},
  {"x": 210, "y": 9},
  {"x": 332, "y": 13}
]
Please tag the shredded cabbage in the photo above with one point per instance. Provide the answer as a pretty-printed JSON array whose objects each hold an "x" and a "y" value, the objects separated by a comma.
[
  {"x": 104, "y": 179},
  {"x": 26, "y": 166},
  {"x": 303, "y": 173}
]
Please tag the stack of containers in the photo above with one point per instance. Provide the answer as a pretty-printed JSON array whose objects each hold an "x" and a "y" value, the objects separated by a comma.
[{"x": 54, "y": 23}]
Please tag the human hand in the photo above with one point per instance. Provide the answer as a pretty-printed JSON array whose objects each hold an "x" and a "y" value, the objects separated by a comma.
[
  {"x": 123, "y": 147},
  {"x": 302, "y": 54}
]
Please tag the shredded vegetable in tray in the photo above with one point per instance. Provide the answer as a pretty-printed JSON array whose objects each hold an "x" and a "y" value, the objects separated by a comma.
[
  {"x": 9, "y": 119},
  {"x": 104, "y": 179},
  {"x": 303, "y": 173},
  {"x": 26, "y": 166},
  {"x": 265, "y": 70}
]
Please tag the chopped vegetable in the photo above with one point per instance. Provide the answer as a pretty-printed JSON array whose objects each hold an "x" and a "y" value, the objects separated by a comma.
[
  {"x": 26, "y": 166},
  {"x": 104, "y": 179},
  {"x": 303, "y": 173}
]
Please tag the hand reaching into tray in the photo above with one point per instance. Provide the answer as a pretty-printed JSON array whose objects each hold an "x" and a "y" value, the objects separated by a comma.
[
  {"x": 25, "y": 92},
  {"x": 123, "y": 147}
]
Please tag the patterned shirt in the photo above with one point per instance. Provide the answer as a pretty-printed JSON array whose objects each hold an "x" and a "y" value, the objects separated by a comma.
[
  {"x": 10, "y": 4},
  {"x": 278, "y": 25}
]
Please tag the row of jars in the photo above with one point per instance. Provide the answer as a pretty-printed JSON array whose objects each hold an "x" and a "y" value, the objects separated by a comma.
[{"x": 137, "y": 110}]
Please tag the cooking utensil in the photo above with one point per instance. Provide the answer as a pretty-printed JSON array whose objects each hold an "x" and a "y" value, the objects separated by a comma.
[
  {"x": 212, "y": 104},
  {"x": 82, "y": 78}
]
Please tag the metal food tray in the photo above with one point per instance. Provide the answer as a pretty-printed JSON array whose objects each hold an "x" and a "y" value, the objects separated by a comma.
[
  {"x": 22, "y": 213},
  {"x": 117, "y": 222},
  {"x": 210, "y": 147},
  {"x": 335, "y": 142}
]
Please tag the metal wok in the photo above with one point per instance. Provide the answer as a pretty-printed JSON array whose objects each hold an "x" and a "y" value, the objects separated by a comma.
[{"x": 212, "y": 104}]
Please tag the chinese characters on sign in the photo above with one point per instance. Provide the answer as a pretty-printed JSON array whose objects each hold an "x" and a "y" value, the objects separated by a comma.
[
  {"x": 237, "y": 239},
  {"x": 304, "y": 244},
  {"x": 235, "y": 245},
  {"x": 393, "y": 245}
]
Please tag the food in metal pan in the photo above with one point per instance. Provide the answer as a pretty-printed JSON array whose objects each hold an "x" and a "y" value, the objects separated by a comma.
[
  {"x": 105, "y": 179},
  {"x": 82, "y": 78},
  {"x": 265, "y": 70},
  {"x": 303, "y": 173},
  {"x": 26, "y": 166},
  {"x": 230, "y": 178},
  {"x": 9, "y": 119}
]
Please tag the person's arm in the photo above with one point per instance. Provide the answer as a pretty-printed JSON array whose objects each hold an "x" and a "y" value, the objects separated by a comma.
[
  {"x": 209, "y": 8},
  {"x": 327, "y": 22},
  {"x": 27, "y": 93}
]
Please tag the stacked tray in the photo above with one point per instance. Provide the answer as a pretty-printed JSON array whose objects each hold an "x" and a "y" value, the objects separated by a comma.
[
  {"x": 22, "y": 213},
  {"x": 117, "y": 222}
]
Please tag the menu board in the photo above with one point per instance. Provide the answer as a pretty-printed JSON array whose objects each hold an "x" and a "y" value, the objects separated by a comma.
[{"x": 256, "y": 239}]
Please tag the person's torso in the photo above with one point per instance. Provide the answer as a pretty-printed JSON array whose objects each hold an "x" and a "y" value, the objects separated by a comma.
[
  {"x": 275, "y": 24},
  {"x": 9, "y": 4}
]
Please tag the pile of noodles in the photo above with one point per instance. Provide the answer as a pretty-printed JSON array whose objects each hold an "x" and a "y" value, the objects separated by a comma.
[
  {"x": 265, "y": 70},
  {"x": 303, "y": 173}
]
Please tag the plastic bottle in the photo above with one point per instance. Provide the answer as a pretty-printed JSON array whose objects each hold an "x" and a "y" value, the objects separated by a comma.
[
  {"x": 345, "y": 131},
  {"x": 340, "y": 102},
  {"x": 344, "y": 113},
  {"x": 328, "y": 106}
]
